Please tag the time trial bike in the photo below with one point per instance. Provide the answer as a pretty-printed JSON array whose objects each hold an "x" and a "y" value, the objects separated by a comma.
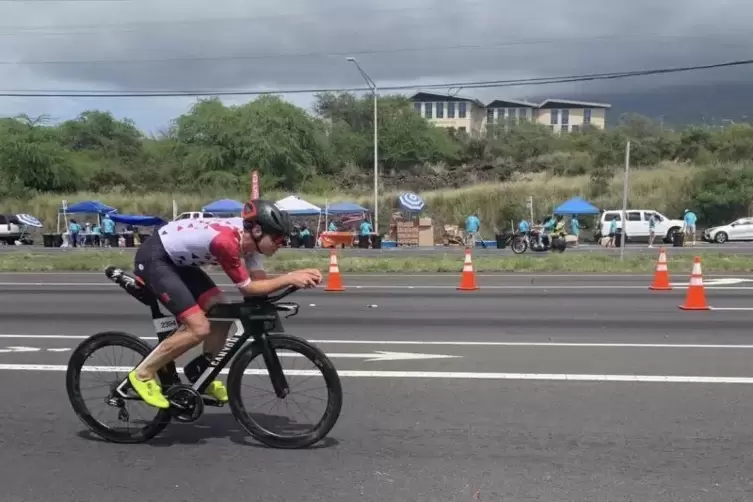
[{"x": 256, "y": 317}]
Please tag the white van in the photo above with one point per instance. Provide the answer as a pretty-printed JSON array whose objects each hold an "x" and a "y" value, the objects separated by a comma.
[{"x": 637, "y": 224}]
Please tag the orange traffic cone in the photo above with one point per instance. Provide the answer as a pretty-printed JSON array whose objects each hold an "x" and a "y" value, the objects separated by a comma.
[
  {"x": 468, "y": 276},
  {"x": 334, "y": 280},
  {"x": 661, "y": 275},
  {"x": 696, "y": 297}
]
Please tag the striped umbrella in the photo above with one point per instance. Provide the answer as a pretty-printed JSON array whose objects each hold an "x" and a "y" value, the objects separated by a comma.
[
  {"x": 29, "y": 220},
  {"x": 411, "y": 202}
]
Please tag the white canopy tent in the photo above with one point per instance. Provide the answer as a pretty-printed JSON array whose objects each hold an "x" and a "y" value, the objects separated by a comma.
[{"x": 295, "y": 206}]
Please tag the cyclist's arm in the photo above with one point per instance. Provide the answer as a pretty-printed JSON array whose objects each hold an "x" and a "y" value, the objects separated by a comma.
[{"x": 227, "y": 250}]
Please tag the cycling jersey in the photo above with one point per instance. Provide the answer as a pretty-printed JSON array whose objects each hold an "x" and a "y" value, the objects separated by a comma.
[{"x": 211, "y": 241}]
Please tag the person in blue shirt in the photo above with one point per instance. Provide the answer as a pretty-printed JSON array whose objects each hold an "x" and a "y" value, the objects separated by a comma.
[
  {"x": 612, "y": 232},
  {"x": 690, "y": 219},
  {"x": 108, "y": 229},
  {"x": 472, "y": 230},
  {"x": 651, "y": 230},
  {"x": 366, "y": 228},
  {"x": 575, "y": 228},
  {"x": 74, "y": 229},
  {"x": 523, "y": 226}
]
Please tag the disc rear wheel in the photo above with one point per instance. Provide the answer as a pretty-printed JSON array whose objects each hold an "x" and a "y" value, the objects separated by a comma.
[{"x": 91, "y": 389}]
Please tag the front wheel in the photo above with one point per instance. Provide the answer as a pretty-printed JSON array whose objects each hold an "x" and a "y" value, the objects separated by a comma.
[
  {"x": 293, "y": 434},
  {"x": 133, "y": 420},
  {"x": 519, "y": 245}
]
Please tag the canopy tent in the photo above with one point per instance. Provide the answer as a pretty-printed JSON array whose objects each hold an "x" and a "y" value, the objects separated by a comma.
[
  {"x": 88, "y": 206},
  {"x": 295, "y": 206},
  {"x": 138, "y": 220},
  {"x": 84, "y": 207},
  {"x": 224, "y": 206},
  {"x": 346, "y": 208},
  {"x": 576, "y": 205}
]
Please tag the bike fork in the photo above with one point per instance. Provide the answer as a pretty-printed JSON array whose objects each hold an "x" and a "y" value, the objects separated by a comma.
[{"x": 276, "y": 375}]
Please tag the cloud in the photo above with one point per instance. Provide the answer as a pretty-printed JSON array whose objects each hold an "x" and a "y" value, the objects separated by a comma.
[{"x": 199, "y": 45}]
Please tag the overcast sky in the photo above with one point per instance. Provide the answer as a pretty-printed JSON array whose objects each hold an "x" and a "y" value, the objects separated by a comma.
[{"x": 160, "y": 45}]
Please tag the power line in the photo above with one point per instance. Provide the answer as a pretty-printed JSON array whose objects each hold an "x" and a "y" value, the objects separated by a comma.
[
  {"x": 139, "y": 25},
  {"x": 365, "y": 52},
  {"x": 476, "y": 84}
]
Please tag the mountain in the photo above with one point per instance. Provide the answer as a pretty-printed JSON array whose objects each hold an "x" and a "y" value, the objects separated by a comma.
[{"x": 708, "y": 103}]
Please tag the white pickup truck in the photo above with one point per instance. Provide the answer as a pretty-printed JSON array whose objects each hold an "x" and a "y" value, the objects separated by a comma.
[
  {"x": 9, "y": 232},
  {"x": 637, "y": 224}
]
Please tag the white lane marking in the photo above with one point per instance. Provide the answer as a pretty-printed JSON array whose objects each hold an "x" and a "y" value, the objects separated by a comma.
[
  {"x": 732, "y": 308},
  {"x": 377, "y": 355},
  {"x": 709, "y": 284},
  {"x": 457, "y": 375},
  {"x": 460, "y": 343},
  {"x": 21, "y": 349}
]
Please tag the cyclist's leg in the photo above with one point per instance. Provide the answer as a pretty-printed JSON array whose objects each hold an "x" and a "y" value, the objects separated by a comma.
[
  {"x": 162, "y": 277},
  {"x": 207, "y": 294}
]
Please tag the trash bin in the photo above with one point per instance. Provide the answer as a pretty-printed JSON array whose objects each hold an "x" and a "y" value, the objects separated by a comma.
[
  {"x": 501, "y": 240},
  {"x": 376, "y": 242},
  {"x": 128, "y": 240},
  {"x": 678, "y": 239},
  {"x": 363, "y": 242},
  {"x": 48, "y": 240}
]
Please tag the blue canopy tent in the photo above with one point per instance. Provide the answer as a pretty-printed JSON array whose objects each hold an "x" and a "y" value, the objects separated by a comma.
[
  {"x": 85, "y": 207},
  {"x": 576, "y": 205},
  {"x": 346, "y": 208},
  {"x": 224, "y": 206},
  {"x": 138, "y": 220}
]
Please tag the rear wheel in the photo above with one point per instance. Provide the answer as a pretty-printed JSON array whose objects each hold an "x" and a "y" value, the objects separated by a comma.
[
  {"x": 293, "y": 434},
  {"x": 134, "y": 421}
]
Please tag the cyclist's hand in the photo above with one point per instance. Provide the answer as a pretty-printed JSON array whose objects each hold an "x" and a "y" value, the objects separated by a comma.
[
  {"x": 315, "y": 273},
  {"x": 303, "y": 279}
]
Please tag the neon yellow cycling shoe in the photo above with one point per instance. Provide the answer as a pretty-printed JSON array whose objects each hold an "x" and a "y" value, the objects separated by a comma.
[
  {"x": 149, "y": 391},
  {"x": 218, "y": 391}
]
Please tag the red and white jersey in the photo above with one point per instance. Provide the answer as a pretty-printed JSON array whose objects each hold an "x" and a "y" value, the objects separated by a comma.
[{"x": 210, "y": 241}]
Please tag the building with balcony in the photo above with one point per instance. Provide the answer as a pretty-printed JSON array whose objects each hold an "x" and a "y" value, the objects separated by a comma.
[
  {"x": 462, "y": 114},
  {"x": 564, "y": 115},
  {"x": 473, "y": 117}
]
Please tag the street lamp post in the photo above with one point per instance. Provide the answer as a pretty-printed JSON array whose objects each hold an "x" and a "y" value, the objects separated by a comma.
[{"x": 373, "y": 88}]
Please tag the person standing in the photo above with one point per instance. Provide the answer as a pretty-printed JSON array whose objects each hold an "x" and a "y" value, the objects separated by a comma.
[
  {"x": 472, "y": 230},
  {"x": 651, "y": 230},
  {"x": 575, "y": 228},
  {"x": 108, "y": 229},
  {"x": 74, "y": 229},
  {"x": 690, "y": 219}
]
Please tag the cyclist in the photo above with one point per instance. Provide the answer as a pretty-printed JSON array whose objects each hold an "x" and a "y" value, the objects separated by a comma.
[{"x": 168, "y": 264}]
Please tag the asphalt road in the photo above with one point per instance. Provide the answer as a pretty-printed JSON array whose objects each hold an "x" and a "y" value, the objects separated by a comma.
[
  {"x": 732, "y": 248},
  {"x": 547, "y": 388}
]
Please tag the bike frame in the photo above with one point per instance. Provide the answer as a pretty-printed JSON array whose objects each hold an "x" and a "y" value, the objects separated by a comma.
[{"x": 252, "y": 319}]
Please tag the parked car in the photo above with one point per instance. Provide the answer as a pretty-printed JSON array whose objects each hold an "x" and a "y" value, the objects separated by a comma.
[
  {"x": 9, "y": 232},
  {"x": 637, "y": 224},
  {"x": 739, "y": 230},
  {"x": 194, "y": 215}
]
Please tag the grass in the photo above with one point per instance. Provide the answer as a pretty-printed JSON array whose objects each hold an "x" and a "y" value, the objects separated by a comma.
[
  {"x": 96, "y": 261},
  {"x": 664, "y": 187}
]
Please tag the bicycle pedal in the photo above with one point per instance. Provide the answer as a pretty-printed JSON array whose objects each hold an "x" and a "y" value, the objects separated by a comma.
[{"x": 210, "y": 401}]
